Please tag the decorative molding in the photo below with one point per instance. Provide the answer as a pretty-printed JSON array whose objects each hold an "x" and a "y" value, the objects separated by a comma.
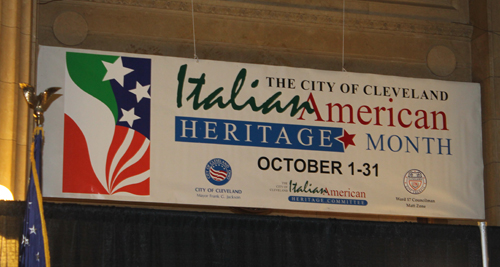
[
  {"x": 360, "y": 22},
  {"x": 442, "y": 4}
]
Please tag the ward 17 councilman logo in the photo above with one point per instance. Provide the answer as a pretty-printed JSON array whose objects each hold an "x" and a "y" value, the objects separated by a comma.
[
  {"x": 415, "y": 181},
  {"x": 107, "y": 110}
]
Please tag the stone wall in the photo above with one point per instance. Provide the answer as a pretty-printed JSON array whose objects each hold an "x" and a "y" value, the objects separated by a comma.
[
  {"x": 413, "y": 38},
  {"x": 485, "y": 47},
  {"x": 15, "y": 67}
]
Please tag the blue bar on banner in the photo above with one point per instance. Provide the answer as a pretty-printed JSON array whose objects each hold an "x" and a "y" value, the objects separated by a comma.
[
  {"x": 259, "y": 134},
  {"x": 324, "y": 200}
]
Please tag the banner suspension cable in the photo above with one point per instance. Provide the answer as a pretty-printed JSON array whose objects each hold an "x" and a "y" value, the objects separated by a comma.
[
  {"x": 194, "y": 35},
  {"x": 343, "y": 35}
]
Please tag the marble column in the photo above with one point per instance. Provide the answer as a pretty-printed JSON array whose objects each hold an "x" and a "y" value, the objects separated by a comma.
[
  {"x": 485, "y": 51},
  {"x": 15, "y": 66}
]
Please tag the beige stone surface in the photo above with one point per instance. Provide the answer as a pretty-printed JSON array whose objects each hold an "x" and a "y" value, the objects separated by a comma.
[
  {"x": 7, "y": 164},
  {"x": 437, "y": 10},
  {"x": 23, "y": 116},
  {"x": 488, "y": 100},
  {"x": 19, "y": 187},
  {"x": 491, "y": 98},
  {"x": 10, "y": 13},
  {"x": 8, "y": 109},
  {"x": 70, "y": 28},
  {"x": 480, "y": 53},
  {"x": 485, "y": 69},
  {"x": 491, "y": 135},
  {"x": 494, "y": 19},
  {"x": 495, "y": 45},
  {"x": 26, "y": 17},
  {"x": 491, "y": 184},
  {"x": 15, "y": 65},
  {"x": 372, "y": 44},
  {"x": 24, "y": 59},
  {"x": 478, "y": 15},
  {"x": 493, "y": 216},
  {"x": 454, "y": 10},
  {"x": 441, "y": 60},
  {"x": 9, "y": 43}
]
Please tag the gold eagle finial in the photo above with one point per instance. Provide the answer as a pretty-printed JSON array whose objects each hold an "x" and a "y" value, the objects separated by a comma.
[{"x": 39, "y": 103}]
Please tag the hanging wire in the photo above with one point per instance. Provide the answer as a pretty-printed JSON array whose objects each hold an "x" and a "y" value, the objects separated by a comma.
[
  {"x": 194, "y": 35},
  {"x": 343, "y": 36}
]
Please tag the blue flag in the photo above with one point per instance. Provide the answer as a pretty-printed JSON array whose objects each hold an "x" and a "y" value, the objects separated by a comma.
[{"x": 34, "y": 249}]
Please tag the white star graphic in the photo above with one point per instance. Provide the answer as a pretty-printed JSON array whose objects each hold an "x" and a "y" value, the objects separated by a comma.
[
  {"x": 140, "y": 91},
  {"x": 26, "y": 241},
  {"x": 116, "y": 71},
  {"x": 129, "y": 116},
  {"x": 32, "y": 230},
  {"x": 38, "y": 256}
]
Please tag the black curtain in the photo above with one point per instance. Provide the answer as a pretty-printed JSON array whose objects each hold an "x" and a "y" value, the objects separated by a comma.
[{"x": 85, "y": 235}]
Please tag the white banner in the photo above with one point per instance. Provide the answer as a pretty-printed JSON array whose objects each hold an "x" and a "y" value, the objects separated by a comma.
[{"x": 173, "y": 130}]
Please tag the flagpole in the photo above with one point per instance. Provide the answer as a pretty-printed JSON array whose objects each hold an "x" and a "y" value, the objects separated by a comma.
[
  {"x": 34, "y": 247},
  {"x": 484, "y": 243}
]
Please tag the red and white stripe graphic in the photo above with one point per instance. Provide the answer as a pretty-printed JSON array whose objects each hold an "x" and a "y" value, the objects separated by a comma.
[
  {"x": 128, "y": 160},
  {"x": 218, "y": 175}
]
